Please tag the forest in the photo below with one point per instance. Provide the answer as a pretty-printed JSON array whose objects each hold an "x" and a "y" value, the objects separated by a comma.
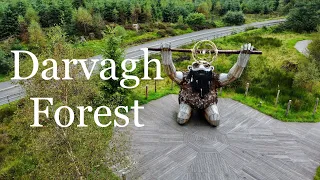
[
  {"x": 82, "y": 28},
  {"x": 24, "y": 23}
]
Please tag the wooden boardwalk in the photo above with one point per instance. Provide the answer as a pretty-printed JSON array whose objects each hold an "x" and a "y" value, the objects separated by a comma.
[{"x": 246, "y": 145}]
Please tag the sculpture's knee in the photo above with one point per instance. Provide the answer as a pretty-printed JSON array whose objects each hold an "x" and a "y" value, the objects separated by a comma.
[
  {"x": 212, "y": 115},
  {"x": 184, "y": 113}
]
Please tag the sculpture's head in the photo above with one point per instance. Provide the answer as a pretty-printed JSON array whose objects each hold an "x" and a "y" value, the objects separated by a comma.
[{"x": 200, "y": 65}]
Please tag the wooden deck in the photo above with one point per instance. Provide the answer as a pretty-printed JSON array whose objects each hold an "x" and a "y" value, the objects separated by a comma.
[{"x": 246, "y": 145}]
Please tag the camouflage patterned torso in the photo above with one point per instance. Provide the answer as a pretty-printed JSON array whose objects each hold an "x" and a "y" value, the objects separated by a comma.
[{"x": 193, "y": 99}]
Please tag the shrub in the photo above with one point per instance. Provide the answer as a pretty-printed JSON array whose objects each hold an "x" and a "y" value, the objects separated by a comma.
[
  {"x": 7, "y": 111},
  {"x": 5, "y": 63},
  {"x": 160, "y": 25},
  {"x": 9, "y": 23},
  {"x": 314, "y": 49},
  {"x": 249, "y": 28},
  {"x": 182, "y": 26},
  {"x": 305, "y": 17},
  {"x": 234, "y": 18},
  {"x": 162, "y": 33},
  {"x": 196, "y": 20},
  {"x": 170, "y": 31}
]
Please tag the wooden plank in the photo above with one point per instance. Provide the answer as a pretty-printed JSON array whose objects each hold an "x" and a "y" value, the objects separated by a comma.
[{"x": 247, "y": 144}]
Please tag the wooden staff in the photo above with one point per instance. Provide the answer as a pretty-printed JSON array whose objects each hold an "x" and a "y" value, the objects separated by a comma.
[{"x": 207, "y": 50}]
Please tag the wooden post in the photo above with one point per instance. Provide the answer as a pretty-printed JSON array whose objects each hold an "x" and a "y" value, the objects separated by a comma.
[
  {"x": 277, "y": 99},
  {"x": 146, "y": 91},
  {"x": 124, "y": 177},
  {"x": 315, "y": 107},
  {"x": 155, "y": 86},
  {"x": 171, "y": 85},
  {"x": 288, "y": 107},
  {"x": 247, "y": 89}
]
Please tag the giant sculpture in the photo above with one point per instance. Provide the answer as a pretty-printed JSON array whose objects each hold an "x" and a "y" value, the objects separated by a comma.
[{"x": 199, "y": 83}]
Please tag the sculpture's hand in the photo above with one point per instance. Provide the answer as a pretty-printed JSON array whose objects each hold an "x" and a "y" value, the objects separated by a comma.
[
  {"x": 244, "y": 56},
  {"x": 237, "y": 69},
  {"x": 166, "y": 55}
]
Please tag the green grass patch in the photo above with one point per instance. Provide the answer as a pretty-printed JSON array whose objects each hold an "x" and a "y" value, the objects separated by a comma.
[
  {"x": 4, "y": 78},
  {"x": 95, "y": 47},
  {"x": 272, "y": 110},
  {"x": 250, "y": 18},
  {"x": 317, "y": 176},
  {"x": 163, "y": 88},
  {"x": 266, "y": 73}
]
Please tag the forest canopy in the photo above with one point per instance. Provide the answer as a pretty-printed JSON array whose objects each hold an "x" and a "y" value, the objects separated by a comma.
[{"x": 83, "y": 16}]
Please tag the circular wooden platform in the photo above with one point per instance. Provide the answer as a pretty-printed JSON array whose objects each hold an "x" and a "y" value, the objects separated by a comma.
[{"x": 246, "y": 145}]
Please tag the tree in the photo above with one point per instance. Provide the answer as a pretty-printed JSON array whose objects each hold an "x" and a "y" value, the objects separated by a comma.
[
  {"x": 135, "y": 13},
  {"x": 314, "y": 48},
  {"x": 156, "y": 11},
  {"x": 5, "y": 63},
  {"x": 53, "y": 151},
  {"x": 234, "y": 18},
  {"x": 98, "y": 24},
  {"x": 23, "y": 29},
  {"x": 55, "y": 14},
  {"x": 9, "y": 24},
  {"x": 21, "y": 8},
  {"x": 114, "y": 51},
  {"x": 78, "y": 3},
  {"x": 107, "y": 11},
  {"x": 49, "y": 15},
  {"x": 31, "y": 15},
  {"x": 304, "y": 17},
  {"x": 124, "y": 11},
  {"x": 204, "y": 8},
  {"x": 83, "y": 20},
  {"x": 196, "y": 20},
  {"x": 308, "y": 75},
  {"x": 115, "y": 15},
  {"x": 146, "y": 14},
  {"x": 36, "y": 35},
  {"x": 229, "y": 5},
  {"x": 170, "y": 13}
]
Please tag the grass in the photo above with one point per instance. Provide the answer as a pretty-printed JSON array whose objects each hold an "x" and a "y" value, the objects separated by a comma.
[
  {"x": 163, "y": 89},
  {"x": 317, "y": 176},
  {"x": 277, "y": 48},
  {"x": 272, "y": 110},
  {"x": 23, "y": 156},
  {"x": 250, "y": 18},
  {"x": 4, "y": 78},
  {"x": 95, "y": 47}
]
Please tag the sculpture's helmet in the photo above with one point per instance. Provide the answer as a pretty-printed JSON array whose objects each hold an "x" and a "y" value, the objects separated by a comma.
[{"x": 202, "y": 51}]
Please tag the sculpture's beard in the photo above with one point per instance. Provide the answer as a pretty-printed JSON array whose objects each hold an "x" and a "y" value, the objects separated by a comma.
[{"x": 200, "y": 81}]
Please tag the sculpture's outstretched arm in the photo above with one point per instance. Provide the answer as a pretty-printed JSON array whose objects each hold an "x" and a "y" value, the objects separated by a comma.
[
  {"x": 169, "y": 67},
  {"x": 236, "y": 71}
]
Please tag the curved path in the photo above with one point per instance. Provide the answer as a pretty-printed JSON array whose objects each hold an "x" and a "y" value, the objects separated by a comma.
[
  {"x": 13, "y": 93},
  {"x": 247, "y": 145},
  {"x": 302, "y": 47}
]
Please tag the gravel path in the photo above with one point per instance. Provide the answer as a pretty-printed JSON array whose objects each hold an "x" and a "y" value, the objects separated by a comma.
[{"x": 302, "y": 47}]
